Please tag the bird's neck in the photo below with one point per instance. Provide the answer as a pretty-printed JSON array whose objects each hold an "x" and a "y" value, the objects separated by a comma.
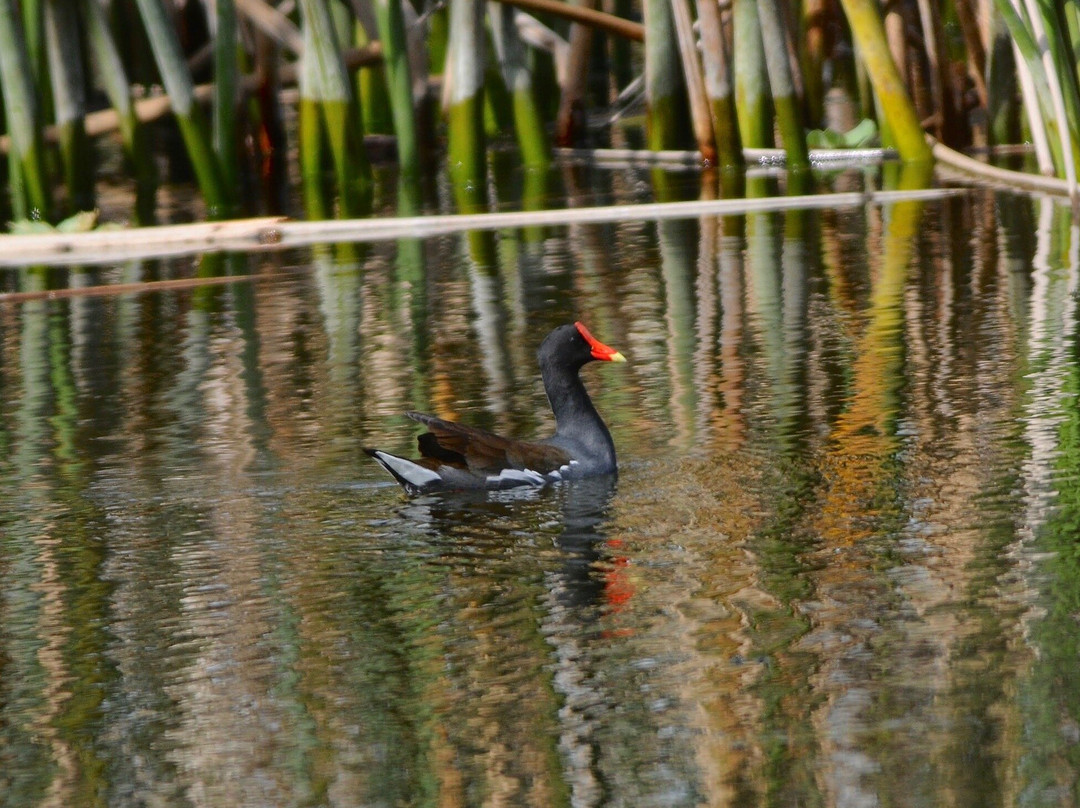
[{"x": 575, "y": 415}]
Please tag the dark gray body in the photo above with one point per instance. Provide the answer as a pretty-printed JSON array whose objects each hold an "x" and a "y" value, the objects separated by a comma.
[{"x": 456, "y": 456}]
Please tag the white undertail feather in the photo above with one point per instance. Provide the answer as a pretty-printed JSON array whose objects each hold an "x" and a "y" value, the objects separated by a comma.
[
  {"x": 412, "y": 473},
  {"x": 558, "y": 473}
]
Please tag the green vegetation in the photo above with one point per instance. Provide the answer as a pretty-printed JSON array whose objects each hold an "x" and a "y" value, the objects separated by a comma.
[{"x": 525, "y": 73}]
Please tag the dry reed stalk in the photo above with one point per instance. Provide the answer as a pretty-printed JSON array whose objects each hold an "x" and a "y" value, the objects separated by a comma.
[
  {"x": 700, "y": 109},
  {"x": 277, "y": 233}
]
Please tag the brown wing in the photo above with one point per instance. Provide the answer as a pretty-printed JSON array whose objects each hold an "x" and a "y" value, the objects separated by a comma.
[{"x": 483, "y": 452}]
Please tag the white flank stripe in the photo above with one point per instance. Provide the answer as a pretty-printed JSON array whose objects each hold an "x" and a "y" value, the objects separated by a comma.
[
  {"x": 564, "y": 469},
  {"x": 414, "y": 474},
  {"x": 525, "y": 476}
]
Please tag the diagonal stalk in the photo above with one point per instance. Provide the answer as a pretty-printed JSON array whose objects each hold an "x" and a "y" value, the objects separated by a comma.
[
  {"x": 106, "y": 57},
  {"x": 177, "y": 80},
  {"x": 894, "y": 102}
]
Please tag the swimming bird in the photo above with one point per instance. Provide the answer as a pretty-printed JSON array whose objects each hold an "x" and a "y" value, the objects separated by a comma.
[{"x": 454, "y": 456}]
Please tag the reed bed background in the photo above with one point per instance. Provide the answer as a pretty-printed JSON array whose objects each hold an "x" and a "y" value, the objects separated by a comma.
[{"x": 216, "y": 90}]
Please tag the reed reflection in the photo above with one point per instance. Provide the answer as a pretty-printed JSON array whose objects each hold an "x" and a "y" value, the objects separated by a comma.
[
  {"x": 947, "y": 302},
  {"x": 1049, "y": 689},
  {"x": 838, "y": 525},
  {"x": 679, "y": 268},
  {"x": 55, "y": 605}
]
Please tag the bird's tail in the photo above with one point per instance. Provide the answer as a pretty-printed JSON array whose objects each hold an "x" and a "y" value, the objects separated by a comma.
[{"x": 411, "y": 475}]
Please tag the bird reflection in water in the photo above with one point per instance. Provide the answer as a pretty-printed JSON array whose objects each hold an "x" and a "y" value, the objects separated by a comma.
[
  {"x": 591, "y": 574},
  {"x": 524, "y": 562}
]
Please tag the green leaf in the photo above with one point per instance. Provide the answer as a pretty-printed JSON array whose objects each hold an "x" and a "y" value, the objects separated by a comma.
[
  {"x": 82, "y": 222},
  {"x": 30, "y": 227},
  {"x": 863, "y": 134}
]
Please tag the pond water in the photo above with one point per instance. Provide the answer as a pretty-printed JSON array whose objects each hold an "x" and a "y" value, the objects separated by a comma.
[{"x": 839, "y": 566}]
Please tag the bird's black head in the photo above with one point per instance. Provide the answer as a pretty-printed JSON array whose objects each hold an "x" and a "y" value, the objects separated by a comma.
[{"x": 572, "y": 345}]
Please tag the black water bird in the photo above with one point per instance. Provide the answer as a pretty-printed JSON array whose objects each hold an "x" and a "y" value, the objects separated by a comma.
[{"x": 459, "y": 457}]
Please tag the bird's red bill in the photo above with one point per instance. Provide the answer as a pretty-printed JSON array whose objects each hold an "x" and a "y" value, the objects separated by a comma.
[{"x": 599, "y": 350}]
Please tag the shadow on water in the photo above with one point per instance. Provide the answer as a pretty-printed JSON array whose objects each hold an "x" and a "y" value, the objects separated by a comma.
[{"x": 837, "y": 567}]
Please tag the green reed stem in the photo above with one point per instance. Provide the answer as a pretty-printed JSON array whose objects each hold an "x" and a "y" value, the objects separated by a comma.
[
  {"x": 513, "y": 61},
  {"x": 370, "y": 84},
  {"x": 1051, "y": 63},
  {"x": 326, "y": 84},
  {"x": 63, "y": 49},
  {"x": 177, "y": 80},
  {"x": 30, "y": 194},
  {"x": 391, "y": 22},
  {"x": 751, "y": 77},
  {"x": 1003, "y": 109},
  {"x": 782, "y": 86},
  {"x": 110, "y": 69},
  {"x": 465, "y": 114},
  {"x": 33, "y": 19},
  {"x": 226, "y": 92},
  {"x": 664, "y": 84},
  {"x": 311, "y": 159},
  {"x": 893, "y": 100}
]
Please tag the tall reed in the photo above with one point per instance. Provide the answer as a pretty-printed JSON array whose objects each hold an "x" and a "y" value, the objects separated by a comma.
[
  {"x": 331, "y": 111},
  {"x": 894, "y": 103},
  {"x": 106, "y": 58},
  {"x": 664, "y": 85},
  {"x": 751, "y": 77},
  {"x": 29, "y": 188},
  {"x": 782, "y": 86},
  {"x": 716, "y": 69},
  {"x": 189, "y": 117},
  {"x": 465, "y": 102},
  {"x": 700, "y": 109},
  {"x": 65, "y": 61},
  {"x": 390, "y": 17},
  {"x": 514, "y": 63},
  {"x": 1050, "y": 58}
]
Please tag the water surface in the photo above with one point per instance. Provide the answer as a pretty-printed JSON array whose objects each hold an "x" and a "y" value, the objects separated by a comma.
[{"x": 838, "y": 567}]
